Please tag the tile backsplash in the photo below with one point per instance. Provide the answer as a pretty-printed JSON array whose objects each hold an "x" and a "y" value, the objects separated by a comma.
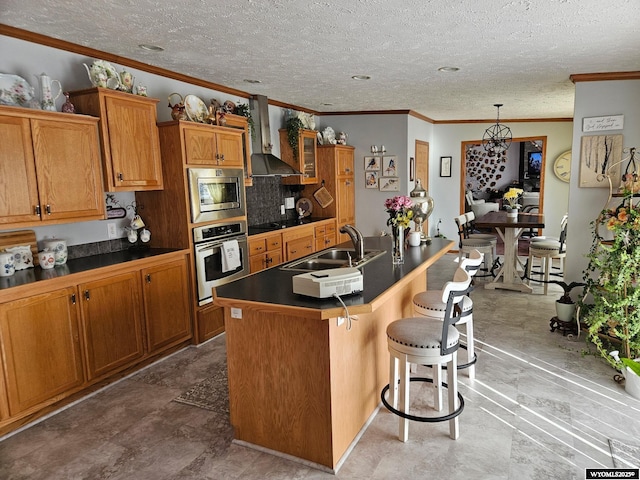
[{"x": 265, "y": 197}]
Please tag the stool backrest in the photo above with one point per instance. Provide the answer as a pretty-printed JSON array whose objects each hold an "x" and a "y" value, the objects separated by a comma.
[
  {"x": 472, "y": 263},
  {"x": 563, "y": 234},
  {"x": 453, "y": 293},
  {"x": 461, "y": 222}
]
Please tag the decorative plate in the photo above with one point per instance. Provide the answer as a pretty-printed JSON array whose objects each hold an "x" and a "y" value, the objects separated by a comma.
[
  {"x": 195, "y": 108},
  {"x": 16, "y": 91},
  {"x": 319, "y": 137},
  {"x": 305, "y": 205}
]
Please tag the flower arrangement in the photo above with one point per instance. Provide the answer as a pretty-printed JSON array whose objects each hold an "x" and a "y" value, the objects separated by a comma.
[
  {"x": 512, "y": 197},
  {"x": 400, "y": 211}
]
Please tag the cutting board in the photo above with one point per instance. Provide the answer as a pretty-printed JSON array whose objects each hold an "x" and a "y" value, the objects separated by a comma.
[{"x": 20, "y": 237}]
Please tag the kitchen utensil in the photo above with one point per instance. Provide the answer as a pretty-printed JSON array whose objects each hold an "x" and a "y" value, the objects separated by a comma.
[
  {"x": 20, "y": 237},
  {"x": 323, "y": 197},
  {"x": 103, "y": 74},
  {"x": 177, "y": 110},
  {"x": 195, "y": 109},
  {"x": 59, "y": 249},
  {"x": 47, "y": 97},
  {"x": 16, "y": 91},
  {"x": 22, "y": 256},
  {"x": 7, "y": 266},
  {"x": 47, "y": 259}
]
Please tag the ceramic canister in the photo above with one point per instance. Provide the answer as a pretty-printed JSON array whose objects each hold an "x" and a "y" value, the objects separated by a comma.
[
  {"x": 47, "y": 259},
  {"x": 7, "y": 265},
  {"x": 59, "y": 249}
]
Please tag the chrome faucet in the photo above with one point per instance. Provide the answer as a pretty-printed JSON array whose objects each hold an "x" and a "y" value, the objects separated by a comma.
[{"x": 356, "y": 238}]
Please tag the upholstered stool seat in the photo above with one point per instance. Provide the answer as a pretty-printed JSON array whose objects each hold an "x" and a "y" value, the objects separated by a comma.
[
  {"x": 547, "y": 251},
  {"x": 427, "y": 341},
  {"x": 485, "y": 244}
]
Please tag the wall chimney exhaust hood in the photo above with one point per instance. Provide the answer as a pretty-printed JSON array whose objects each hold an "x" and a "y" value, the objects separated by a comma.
[{"x": 263, "y": 162}]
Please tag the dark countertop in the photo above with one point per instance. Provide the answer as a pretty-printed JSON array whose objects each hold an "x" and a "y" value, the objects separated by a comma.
[
  {"x": 77, "y": 265},
  {"x": 273, "y": 226},
  {"x": 275, "y": 286}
]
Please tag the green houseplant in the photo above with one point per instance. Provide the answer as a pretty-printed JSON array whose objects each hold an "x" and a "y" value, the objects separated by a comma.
[
  {"x": 244, "y": 110},
  {"x": 294, "y": 125}
]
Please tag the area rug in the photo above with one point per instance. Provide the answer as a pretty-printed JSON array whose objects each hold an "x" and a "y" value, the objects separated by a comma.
[
  {"x": 211, "y": 394},
  {"x": 624, "y": 455}
]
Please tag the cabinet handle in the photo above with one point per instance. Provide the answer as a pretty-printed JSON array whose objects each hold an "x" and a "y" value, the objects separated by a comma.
[
  {"x": 86, "y": 295},
  {"x": 38, "y": 211},
  {"x": 120, "y": 176},
  {"x": 268, "y": 261},
  {"x": 222, "y": 157},
  {"x": 259, "y": 249},
  {"x": 347, "y": 170},
  {"x": 48, "y": 209},
  {"x": 347, "y": 182},
  {"x": 148, "y": 278},
  {"x": 73, "y": 298}
]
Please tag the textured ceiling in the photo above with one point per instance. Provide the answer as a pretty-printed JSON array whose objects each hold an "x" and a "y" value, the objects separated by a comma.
[{"x": 516, "y": 52}]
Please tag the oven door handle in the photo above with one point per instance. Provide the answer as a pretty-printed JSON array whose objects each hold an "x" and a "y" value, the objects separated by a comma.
[{"x": 218, "y": 243}]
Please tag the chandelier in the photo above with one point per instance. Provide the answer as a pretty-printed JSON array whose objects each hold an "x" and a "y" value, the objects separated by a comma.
[{"x": 497, "y": 138}]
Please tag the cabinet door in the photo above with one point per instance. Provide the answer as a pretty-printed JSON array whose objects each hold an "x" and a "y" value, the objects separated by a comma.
[
  {"x": 166, "y": 304},
  {"x": 229, "y": 149},
  {"x": 308, "y": 141},
  {"x": 40, "y": 349},
  {"x": 345, "y": 162},
  {"x": 346, "y": 202},
  {"x": 134, "y": 144},
  {"x": 111, "y": 323},
  {"x": 200, "y": 146},
  {"x": 19, "y": 192},
  {"x": 210, "y": 323},
  {"x": 68, "y": 169}
]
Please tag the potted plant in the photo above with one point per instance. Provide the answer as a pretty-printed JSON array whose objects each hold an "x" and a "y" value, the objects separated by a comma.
[
  {"x": 244, "y": 110},
  {"x": 611, "y": 279},
  {"x": 294, "y": 125},
  {"x": 565, "y": 306}
]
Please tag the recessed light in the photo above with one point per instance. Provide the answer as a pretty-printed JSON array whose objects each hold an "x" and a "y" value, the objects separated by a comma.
[
  {"x": 361, "y": 77},
  {"x": 251, "y": 80},
  {"x": 448, "y": 69},
  {"x": 327, "y": 104},
  {"x": 151, "y": 48}
]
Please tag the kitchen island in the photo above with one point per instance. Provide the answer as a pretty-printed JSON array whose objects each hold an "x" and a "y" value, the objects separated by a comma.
[{"x": 304, "y": 380}]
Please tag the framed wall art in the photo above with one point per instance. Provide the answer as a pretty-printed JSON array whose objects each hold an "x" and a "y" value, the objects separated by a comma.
[
  {"x": 597, "y": 155},
  {"x": 372, "y": 163},
  {"x": 445, "y": 166},
  {"x": 599, "y": 124},
  {"x": 371, "y": 179},
  {"x": 389, "y": 184},
  {"x": 390, "y": 166}
]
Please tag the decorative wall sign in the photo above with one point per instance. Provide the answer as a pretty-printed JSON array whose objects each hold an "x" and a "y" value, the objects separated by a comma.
[
  {"x": 445, "y": 166},
  {"x": 372, "y": 163},
  {"x": 597, "y": 154},
  {"x": 389, "y": 166},
  {"x": 371, "y": 179},
  {"x": 389, "y": 184},
  {"x": 601, "y": 124}
]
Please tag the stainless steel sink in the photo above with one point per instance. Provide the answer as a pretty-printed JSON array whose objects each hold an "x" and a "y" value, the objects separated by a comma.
[{"x": 333, "y": 258}]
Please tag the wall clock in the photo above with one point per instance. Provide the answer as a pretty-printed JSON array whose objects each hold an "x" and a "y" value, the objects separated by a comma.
[{"x": 562, "y": 166}]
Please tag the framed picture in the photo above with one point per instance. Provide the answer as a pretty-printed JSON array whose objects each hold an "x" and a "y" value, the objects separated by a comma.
[
  {"x": 389, "y": 166},
  {"x": 599, "y": 124},
  {"x": 372, "y": 163},
  {"x": 371, "y": 179},
  {"x": 445, "y": 166},
  {"x": 600, "y": 154},
  {"x": 389, "y": 184},
  {"x": 412, "y": 169}
]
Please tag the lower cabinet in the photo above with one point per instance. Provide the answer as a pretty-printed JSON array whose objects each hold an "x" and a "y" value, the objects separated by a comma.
[
  {"x": 56, "y": 343},
  {"x": 298, "y": 242},
  {"x": 40, "y": 348},
  {"x": 265, "y": 252},
  {"x": 210, "y": 322},
  {"x": 111, "y": 323}
]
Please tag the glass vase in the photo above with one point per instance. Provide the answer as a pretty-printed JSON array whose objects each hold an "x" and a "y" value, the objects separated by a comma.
[{"x": 398, "y": 245}]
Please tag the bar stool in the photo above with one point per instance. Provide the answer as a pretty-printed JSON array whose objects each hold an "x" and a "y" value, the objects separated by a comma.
[
  {"x": 426, "y": 341},
  {"x": 467, "y": 244},
  {"x": 547, "y": 251},
  {"x": 429, "y": 304}
]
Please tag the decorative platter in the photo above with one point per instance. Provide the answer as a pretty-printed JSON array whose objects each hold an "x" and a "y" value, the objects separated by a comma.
[
  {"x": 195, "y": 109},
  {"x": 16, "y": 91},
  {"x": 320, "y": 139},
  {"x": 305, "y": 205}
]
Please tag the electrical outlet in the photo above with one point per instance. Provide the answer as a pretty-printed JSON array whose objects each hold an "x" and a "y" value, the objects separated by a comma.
[
  {"x": 340, "y": 320},
  {"x": 112, "y": 230},
  {"x": 281, "y": 209},
  {"x": 236, "y": 313},
  {"x": 289, "y": 203}
]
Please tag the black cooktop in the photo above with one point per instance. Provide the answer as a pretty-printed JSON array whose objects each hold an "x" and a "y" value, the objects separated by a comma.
[{"x": 272, "y": 226}]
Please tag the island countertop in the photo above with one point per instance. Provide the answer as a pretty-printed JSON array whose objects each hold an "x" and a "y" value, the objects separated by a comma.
[
  {"x": 275, "y": 286},
  {"x": 305, "y": 375}
]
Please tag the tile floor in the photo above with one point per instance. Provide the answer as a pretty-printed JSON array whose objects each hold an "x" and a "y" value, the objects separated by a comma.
[{"x": 540, "y": 408}]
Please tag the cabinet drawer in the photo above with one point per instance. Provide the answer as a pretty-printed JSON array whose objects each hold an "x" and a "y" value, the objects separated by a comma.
[
  {"x": 274, "y": 243},
  {"x": 257, "y": 246},
  {"x": 300, "y": 247}
]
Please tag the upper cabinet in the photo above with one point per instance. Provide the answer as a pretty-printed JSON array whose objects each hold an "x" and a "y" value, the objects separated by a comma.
[
  {"x": 304, "y": 159},
  {"x": 242, "y": 123},
  {"x": 213, "y": 146},
  {"x": 129, "y": 137},
  {"x": 41, "y": 156}
]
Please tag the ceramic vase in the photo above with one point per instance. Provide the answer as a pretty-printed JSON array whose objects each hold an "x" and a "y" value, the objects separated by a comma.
[{"x": 398, "y": 245}]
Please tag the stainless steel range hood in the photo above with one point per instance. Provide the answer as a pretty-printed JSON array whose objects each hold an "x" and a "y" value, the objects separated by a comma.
[{"x": 263, "y": 162}]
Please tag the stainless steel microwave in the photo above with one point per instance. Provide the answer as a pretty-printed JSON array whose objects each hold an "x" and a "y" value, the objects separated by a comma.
[{"x": 216, "y": 193}]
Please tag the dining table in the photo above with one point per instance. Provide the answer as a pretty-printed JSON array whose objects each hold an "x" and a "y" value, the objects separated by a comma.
[{"x": 509, "y": 229}]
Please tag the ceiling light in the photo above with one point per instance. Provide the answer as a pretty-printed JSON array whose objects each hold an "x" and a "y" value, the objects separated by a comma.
[
  {"x": 497, "y": 138},
  {"x": 448, "y": 69},
  {"x": 251, "y": 80},
  {"x": 361, "y": 77},
  {"x": 327, "y": 104},
  {"x": 151, "y": 48}
]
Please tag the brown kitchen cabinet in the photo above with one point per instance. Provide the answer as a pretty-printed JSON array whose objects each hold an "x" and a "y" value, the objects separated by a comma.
[
  {"x": 111, "y": 323},
  {"x": 167, "y": 308},
  {"x": 129, "y": 137},
  {"x": 41, "y": 352},
  {"x": 265, "y": 251},
  {"x": 298, "y": 242},
  {"x": 213, "y": 146},
  {"x": 42, "y": 153},
  {"x": 304, "y": 160},
  {"x": 242, "y": 123},
  {"x": 210, "y": 322},
  {"x": 325, "y": 235}
]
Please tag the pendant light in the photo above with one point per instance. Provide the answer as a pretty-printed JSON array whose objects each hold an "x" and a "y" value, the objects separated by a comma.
[{"x": 497, "y": 138}]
